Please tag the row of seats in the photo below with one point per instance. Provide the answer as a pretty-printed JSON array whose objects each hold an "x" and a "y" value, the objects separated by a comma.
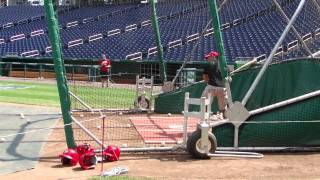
[{"x": 249, "y": 39}]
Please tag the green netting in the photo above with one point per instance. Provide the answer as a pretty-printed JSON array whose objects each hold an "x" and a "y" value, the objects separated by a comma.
[{"x": 280, "y": 82}]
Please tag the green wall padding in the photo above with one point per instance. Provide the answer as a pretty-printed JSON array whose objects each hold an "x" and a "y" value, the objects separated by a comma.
[{"x": 281, "y": 81}]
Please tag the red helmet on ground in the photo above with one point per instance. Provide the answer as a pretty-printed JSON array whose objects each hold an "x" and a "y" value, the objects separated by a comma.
[
  {"x": 112, "y": 153},
  {"x": 69, "y": 157},
  {"x": 88, "y": 160},
  {"x": 84, "y": 148},
  {"x": 212, "y": 54}
]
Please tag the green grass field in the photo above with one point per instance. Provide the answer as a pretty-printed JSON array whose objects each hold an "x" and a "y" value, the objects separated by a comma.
[
  {"x": 47, "y": 94},
  {"x": 118, "y": 178},
  {"x": 35, "y": 93}
]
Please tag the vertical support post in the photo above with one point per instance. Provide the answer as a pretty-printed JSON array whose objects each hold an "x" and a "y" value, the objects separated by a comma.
[
  {"x": 24, "y": 71},
  {"x": 155, "y": 26},
  {"x": 72, "y": 72},
  {"x": 218, "y": 37},
  {"x": 10, "y": 69},
  {"x": 137, "y": 90},
  {"x": 53, "y": 29},
  {"x": 151, "y": 92},
  {"x": 185, "y": 115},
  {"x": 236, "y": 137},
  {"x": 40, "y": 71},
  {"x": 1, "y": 67},
  {"x": 204, "y": 126}
]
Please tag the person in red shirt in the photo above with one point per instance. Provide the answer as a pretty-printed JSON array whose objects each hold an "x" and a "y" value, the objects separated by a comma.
[{"x": 105, "y": 65}]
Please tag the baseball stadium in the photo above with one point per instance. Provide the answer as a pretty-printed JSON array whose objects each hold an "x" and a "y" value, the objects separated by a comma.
[{"x": 159, "y": 89}]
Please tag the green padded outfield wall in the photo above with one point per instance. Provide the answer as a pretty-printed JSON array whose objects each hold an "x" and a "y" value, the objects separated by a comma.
[{"x": 281, "y": 82}]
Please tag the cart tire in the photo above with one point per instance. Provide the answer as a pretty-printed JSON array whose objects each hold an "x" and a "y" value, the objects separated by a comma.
[
  {"x": 193, "y": 145},
  {"x": 139, "y": 103}
]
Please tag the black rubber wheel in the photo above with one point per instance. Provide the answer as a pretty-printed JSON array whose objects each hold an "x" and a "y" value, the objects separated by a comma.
[
  {"x": 142, "y": 104},
  {"x": 193, "y": 145}
]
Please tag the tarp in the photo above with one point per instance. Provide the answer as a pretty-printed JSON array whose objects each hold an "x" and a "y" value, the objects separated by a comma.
[
  {"x": 280, "y": 82},
  {"x": 21, "y": 151}
]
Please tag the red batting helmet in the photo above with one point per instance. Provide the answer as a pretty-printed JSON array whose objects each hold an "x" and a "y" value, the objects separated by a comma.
[
  {"x": 69, "y": 157},
  {"x": 212, "y": 54},
  {"x": 84, "y": 148},
  {"x": 112, "y": 153},
  {"x": 88, "y": 160}
]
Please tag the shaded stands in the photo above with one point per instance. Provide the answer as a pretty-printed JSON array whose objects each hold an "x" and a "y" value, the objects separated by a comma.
[
  {"x": 11, "y": 14},
  {"x": 250, "y": 29}
]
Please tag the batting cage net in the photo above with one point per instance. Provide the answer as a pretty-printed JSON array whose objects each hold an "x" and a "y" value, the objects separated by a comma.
[{"x": 122, "y": 114}]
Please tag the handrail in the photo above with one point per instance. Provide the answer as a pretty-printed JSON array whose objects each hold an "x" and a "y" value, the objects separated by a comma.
[
  {"x": 95, "y": 37},
  {"x": 113, "y": 32},
  {"x": 72, "y": 24},
  {"x": 37, "y": 32},
  {"x": 131, "y": 27},
  {"x": 192, "y": 37},
  {"x": 17, "y": 37},
  {"x": 30, "y": 53},
  {"x": 134, "y": 56},
  {"x": 75, "y": 43},
  {"x": 152, "y": 50},
  {"x": 175, "y": 43},
  {"x": 7, "y": 25}
]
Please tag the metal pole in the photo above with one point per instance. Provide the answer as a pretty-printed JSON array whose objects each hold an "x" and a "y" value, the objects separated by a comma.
[
  {"x": 87, "y": 131},
  {"x": 315, "y": 54},
  {"x": 285, "y": 103},
  {"x": 218, "y": 37},
  {"x": 155, "y": 26},
  {"x": 185, "y": 118},
  {"x": 293, "y": 28},
  {"x": 1, "y": 67},
  {"x": 317, "y": 5},
  {"x": 80, "y": 101},
  {"x": 274, "y": 50},
  {"x": 59, "y": 70}
]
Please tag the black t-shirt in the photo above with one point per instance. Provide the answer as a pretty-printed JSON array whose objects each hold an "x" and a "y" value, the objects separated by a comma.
[{"x": 213, "y": 71}]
